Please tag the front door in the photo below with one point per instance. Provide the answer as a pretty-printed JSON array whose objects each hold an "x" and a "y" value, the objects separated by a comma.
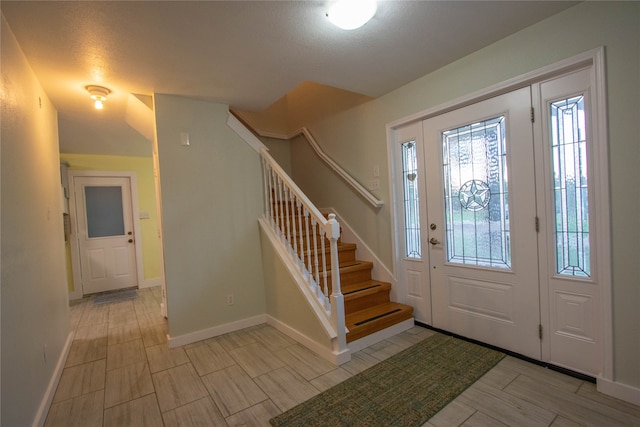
[
  {"x": 105, "y": 233},
  {"x": 481, "y": 212},
  {"x": 505, "y": 216}
]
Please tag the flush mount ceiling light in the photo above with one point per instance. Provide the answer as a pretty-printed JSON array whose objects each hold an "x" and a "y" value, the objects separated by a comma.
[
  {"x": 351, "y": 14},
  {"x": 98, "y": 94}
]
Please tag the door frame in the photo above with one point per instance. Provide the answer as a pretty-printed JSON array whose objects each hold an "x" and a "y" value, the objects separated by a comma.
[
  {"x": 595, "y": 59},
  {"x": 73, "y": 214}
]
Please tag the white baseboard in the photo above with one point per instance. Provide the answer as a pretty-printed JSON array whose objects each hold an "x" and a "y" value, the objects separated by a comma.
[
  {"x": 322, "y": 351},
  {"x": 376, "y": 337},
  {"x": 204, "y": 334},
  {"x": 45, "y": 404},
  {"x": 150, "y": 283},
  {"x": 620, "y": 391},
  {"x": 75, "y": 295}
]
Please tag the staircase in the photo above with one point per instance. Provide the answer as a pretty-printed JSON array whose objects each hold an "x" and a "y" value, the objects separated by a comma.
[{"x": 368, "y": 307}]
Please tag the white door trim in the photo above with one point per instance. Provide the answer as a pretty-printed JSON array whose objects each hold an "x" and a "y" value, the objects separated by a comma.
[
  {"x": 74, "y": 245},
  {"x": 594, "y": 58}
]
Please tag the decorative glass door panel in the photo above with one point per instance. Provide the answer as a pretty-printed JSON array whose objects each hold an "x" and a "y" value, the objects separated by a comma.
[
  {"x": 411, "y": 200},
  {"x": 569, "y": 153},
  {"x": 476, "y": 194}
]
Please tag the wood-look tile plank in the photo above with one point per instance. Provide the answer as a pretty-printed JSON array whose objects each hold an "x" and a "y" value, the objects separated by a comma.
[
  {"x": 255, "y": 359},
  {"x": 85, "y": 410},
  {"x": 202, "y": 412},
  {"x": 285, "y": 388},
  {"x": 178, "y": 386},
  {"x": 590, "y": 391},
  {"x": 255, "y": 416},
  {"x": 541, "y": 374},
  {"x": 504, "y": 407},
  {"x": 383, "y": 350},
  {"x": 233, "y": 390},
  {"x": 331, "y": 378},
  {"x": 120, "y": 307},
  {"x": 359, "y": 362},
  {"x": 91, "y": 332},
  {"x": 81, "y": 379},
  {"x": 305, "y": 362},
  {"x": 150, "y": 318},
  {"x": 480, "y": 419},
  {"x": 142, "y": 412},
  {"x": 452, "y": 415},
  {"x": 235, "y": 339},
  {"x": 154, "y": 334},
  {"x": 123, "y": 333},
  {"x": 207, "y": 358},
  {"x": 124, "y": 354},
  {"x": 569, "y": 405},
  {"x": 95, "y": 315},
  {"x": 563, "y": 422},
  {"x": 127, "y": 383},
  {"x": 271, "y": 338},
  {"x": 84, "y": 351},
  {"x": 162, "y": 357}
]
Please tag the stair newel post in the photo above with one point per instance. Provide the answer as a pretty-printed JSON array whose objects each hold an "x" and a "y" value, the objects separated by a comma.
[{"x": 337, "y": 299}]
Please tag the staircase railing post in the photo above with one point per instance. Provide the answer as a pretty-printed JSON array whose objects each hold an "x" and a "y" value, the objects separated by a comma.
[{"x": 337, "y": 299}]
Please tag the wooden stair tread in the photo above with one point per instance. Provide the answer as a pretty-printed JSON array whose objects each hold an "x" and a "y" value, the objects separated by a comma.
[
  {"x": 376, "y": 318},
  {"x": 367, "y": 285}
]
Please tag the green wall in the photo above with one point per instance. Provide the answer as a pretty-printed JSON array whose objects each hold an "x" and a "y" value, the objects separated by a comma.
[
  {"x": 143, "y": 168},
  {"x": 357, "y": 140},
  {"x": 211, "y": 201}
]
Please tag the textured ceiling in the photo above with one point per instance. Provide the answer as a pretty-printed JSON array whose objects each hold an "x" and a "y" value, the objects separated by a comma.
[{"x": 246, "y": 54}]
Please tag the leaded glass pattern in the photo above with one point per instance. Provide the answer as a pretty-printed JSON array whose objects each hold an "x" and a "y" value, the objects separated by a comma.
[
  {"x": 476, "y": 204},
  {"x": 411, "y": 200},
  {"x": 569, "y": 158}
]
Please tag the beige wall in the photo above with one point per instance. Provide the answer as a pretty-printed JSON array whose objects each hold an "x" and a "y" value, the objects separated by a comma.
[
  {"x": 285, "y": 301},
  {"x": 34, "y": 305},
  {"x": 211, "y": 201},
  {"x": 356, "y": 139}
]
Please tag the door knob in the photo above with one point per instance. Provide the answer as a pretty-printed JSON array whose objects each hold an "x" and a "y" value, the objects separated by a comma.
[
  {"x": 434, "y": 241},
  {"x": 130, "y": 240}
]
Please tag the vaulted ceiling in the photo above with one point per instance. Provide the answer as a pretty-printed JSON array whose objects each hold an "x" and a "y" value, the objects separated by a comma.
[{"x": 247, "y": 54}]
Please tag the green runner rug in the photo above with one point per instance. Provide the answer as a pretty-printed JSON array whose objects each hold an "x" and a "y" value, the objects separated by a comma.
[{"x": 405, "y": 390}]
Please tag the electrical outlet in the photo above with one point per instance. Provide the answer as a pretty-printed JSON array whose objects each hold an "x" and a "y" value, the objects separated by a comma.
[{"x": 230, "y": 299}]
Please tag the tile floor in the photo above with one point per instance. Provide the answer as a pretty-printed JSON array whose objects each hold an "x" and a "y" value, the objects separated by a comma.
[{"x": 120, "y": 372}]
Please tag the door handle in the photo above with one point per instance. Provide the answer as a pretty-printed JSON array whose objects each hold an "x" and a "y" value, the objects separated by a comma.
[
  {"x": 130, "y": 240},
  {"x": 434, "y": 241}
]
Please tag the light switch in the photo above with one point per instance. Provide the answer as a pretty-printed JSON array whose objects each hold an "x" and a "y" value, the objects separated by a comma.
[{"x": 184, "y": 138}]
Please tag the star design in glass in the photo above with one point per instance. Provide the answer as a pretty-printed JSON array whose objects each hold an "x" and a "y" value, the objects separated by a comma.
[{"x": 474, "y": 195}]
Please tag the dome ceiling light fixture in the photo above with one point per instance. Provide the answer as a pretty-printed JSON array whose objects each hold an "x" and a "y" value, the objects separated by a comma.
[
  {"x": 98, "y": 94},
  {"x": 351, "y": 14}
]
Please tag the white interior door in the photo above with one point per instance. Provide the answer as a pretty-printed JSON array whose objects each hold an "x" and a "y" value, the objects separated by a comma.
[
  {"x": 105, "y": 233},
  {"x": 481, "y": 210}
]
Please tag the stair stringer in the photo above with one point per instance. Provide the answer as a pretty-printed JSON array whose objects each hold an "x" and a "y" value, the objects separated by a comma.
[{"x": 311, "y": 328}]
